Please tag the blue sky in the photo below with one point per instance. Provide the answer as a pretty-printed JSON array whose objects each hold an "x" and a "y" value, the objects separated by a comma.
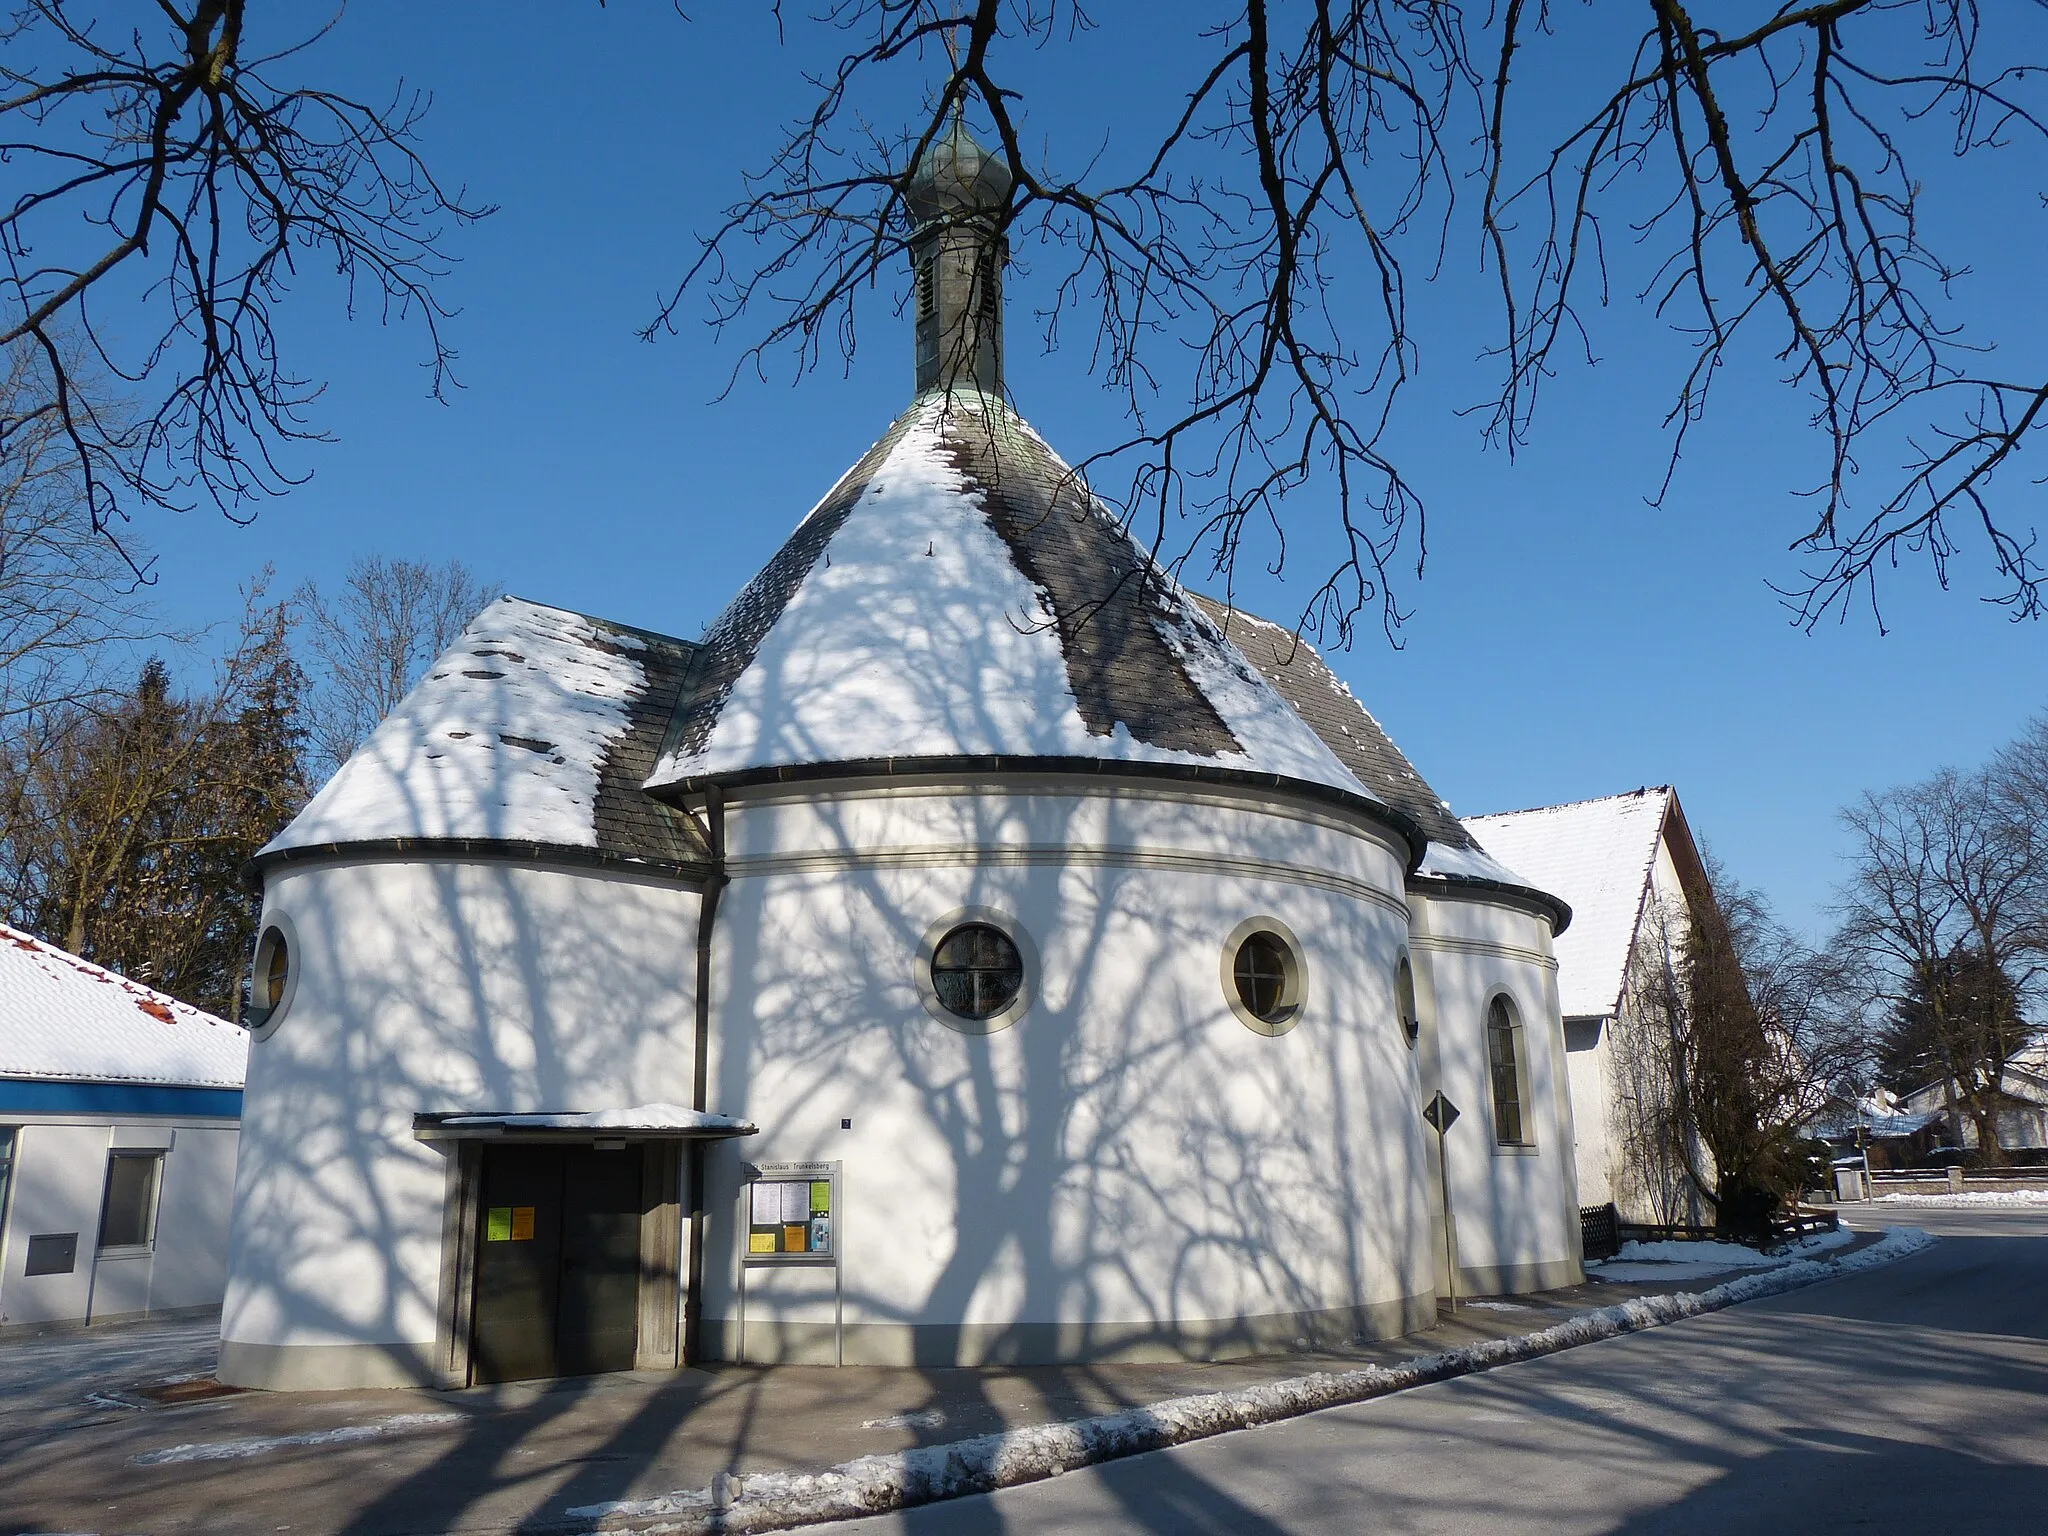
[{"x": 1568, "y": 639}]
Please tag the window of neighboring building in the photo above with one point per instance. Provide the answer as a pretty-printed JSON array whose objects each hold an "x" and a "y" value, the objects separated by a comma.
[
  {"x": 7, "y": 1142},
  {"x": 1262, "y": 976},
  {"x": 977, "y": 971},
  {"x": 1503, "y": 1058},
  {"x": 128, "y": 1215},
  {"x": 1404, "y": 1001}
]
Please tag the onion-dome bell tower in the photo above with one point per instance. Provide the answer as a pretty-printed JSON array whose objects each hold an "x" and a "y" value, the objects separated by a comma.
[{"x": 957, "y": 197}]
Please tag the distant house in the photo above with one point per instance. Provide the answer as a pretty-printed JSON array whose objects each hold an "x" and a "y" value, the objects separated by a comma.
[
  {"x": 1627, "y": 865},
  {"x": 119, "y": 1116},
  {"x": 1885, "y": 1129},
  {"x": 2022, "y": 1109}
]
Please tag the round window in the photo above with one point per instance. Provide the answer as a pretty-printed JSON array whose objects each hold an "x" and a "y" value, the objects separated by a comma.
[
  {"x": 270, "y": 977},
  {"x": 1262, "y": 976},
  {"x": 976, "y": 971}
]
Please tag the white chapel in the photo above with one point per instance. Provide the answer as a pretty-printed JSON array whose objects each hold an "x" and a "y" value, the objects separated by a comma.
[{"x": 973, "y": 948}]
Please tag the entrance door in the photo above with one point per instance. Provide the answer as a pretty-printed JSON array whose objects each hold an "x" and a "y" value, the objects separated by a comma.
[{"x": 558, "y": 1261}]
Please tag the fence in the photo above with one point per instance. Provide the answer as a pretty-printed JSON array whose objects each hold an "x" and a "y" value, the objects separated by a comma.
[{"x": 1600, "y": 1231}]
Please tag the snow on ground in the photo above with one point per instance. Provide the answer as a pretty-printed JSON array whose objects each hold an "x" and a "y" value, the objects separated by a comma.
[
  {"x": 2037, "y": 1197},
  {"x": 240, "y": 1450},
  {"x": 1689, "y": 1260},
  {"x": 870, "y": 1485}
]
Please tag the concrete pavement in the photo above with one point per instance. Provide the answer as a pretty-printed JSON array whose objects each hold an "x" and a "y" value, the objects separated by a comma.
[
  {"x": 77, "y": 1411},
  {"x": 1912, "y": 1397}
]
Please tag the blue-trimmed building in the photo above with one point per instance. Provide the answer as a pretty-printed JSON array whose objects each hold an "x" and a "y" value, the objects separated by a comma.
[{"x": 120, "y": 1112}]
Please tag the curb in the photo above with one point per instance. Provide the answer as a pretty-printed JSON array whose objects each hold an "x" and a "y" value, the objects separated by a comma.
[{"x": 873, "y": 1485}]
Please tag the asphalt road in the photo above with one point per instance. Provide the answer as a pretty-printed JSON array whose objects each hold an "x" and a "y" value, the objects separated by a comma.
[{"x": 1910, "y": 1398}]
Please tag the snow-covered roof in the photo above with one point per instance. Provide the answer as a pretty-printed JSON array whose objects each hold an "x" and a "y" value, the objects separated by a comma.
[
  {"x": 68, "y": 1020},
  {"x": 959, "y": 594},
  {"x": 524, "y": 731},
  {"x": 1359, "y": 741},
  {"x": 1597, "y": 855}
]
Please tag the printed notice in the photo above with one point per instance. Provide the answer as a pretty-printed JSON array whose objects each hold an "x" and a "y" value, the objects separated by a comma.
[
  {"x": 498, "y": 1224},
  {"x": 522, "y": 1223},
  {"x": 767, "y": 1205},
  {"x": 760, "y": 1242},
  {"x": 821, "y": 1197},
  {"x": 796, "y": 1202}
]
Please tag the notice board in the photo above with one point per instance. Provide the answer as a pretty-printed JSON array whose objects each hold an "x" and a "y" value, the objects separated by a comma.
[{"x": 790, "y": 1215}]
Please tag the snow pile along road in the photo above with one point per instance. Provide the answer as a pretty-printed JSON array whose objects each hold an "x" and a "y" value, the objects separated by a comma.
[
  {"x": 767, "y": 1501},
  {"x": 1731, "y": 1255},
  {"x": 2036, "y": 1197}
]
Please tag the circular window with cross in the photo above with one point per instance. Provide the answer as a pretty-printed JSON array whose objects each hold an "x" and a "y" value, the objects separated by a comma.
[
  {"x": 974, "y": 970},
  {"x": 1264, "y": 975}
]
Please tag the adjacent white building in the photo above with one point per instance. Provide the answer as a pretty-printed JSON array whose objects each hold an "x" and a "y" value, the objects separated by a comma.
[
  {"x": 974, "y": 948},
  {"x": 118, "y": 1115},
  {"x": 1629, "y": 868}
]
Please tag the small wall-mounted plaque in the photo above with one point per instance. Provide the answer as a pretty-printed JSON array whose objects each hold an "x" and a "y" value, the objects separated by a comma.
[{"x": 52, "y": 1253}]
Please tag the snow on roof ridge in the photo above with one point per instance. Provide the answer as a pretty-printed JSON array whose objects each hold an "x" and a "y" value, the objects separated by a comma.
[{"x": 1569, "y": 805}]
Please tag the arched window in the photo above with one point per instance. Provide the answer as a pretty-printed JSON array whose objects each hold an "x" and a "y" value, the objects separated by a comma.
[
  {"x": 1404, "y": 1001},
  {"x": 1504, "y": 1059}
]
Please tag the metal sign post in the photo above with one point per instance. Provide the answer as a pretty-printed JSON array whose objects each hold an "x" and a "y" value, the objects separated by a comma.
[
  {"x": 790, "y": 1217},
  {"x": 1442, "y": 1114}
]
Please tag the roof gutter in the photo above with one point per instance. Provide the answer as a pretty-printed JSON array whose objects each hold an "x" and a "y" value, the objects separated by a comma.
[
  {"x": 1528, "y": 898},
  {"x": 365, "y": 850}
]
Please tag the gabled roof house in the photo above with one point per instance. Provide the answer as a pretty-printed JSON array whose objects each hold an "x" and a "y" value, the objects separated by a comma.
[
  {"x": 118, "y": 1115},
  {"x": 1629, "y": 868}
]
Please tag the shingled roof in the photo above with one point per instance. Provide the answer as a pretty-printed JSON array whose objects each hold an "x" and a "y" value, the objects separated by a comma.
[
  {"x": 1332, "y": 710},
  {"x": 959, "y": 594},
  {"x": 535, "y": 729}
]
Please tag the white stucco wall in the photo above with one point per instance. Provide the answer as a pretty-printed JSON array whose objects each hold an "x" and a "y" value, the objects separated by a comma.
[
  {"x": 1514, "y": 1209},
  {"x": 1127, "y": 1161},
  {"x": 471, "y": 985},
  {"x": 59, "y": 1179},
  {"x": 1125, "y": 1169}
]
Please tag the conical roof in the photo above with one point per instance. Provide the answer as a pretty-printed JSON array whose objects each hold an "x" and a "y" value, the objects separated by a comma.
[{"x": 960, "y": 595}]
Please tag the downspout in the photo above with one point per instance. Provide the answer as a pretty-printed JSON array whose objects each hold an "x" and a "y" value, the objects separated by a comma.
[{"x": 713, "y": 827}]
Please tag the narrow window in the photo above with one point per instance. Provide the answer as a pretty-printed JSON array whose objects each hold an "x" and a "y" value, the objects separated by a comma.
[
  {"x": 128, "y": 1216},
  {"x": 927, "y": 295},
  {"x": 7, "y": 1135},
  {"x": 977, "y": 971},
  {"x": 1404, "y": 1000},
  {"x": 985, "y": 281},
  {"x": 1507, "y": 1078}
]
